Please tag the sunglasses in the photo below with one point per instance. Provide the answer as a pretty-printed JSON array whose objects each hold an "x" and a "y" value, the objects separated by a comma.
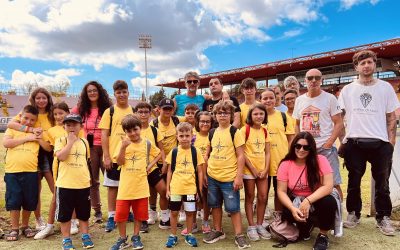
[
  {"x": 305, "y": 147},
  {"x": 317, "y": 78},
  {"x": 192, "y": 81}
]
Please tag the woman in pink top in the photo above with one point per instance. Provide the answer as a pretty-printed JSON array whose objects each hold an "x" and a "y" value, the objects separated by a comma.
[
  {"x": 92, "y": 102},
  {"x": 305, "y": 174}
]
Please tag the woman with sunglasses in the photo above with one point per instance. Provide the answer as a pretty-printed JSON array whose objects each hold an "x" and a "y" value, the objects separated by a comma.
[{"x": 307, "y": 177}]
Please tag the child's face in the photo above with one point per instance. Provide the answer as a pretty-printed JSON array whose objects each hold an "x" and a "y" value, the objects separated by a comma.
[
  {"x": 184, "y": 138},
  {"x": 257, "y": 116},
  {"x": 204, "y": 123},
  {"x": 41, "y": 101},
  {"x": 166, "y": 112},
  {"x": 223, "y": 117},
  {"x": 133, "y": 134},
  {"x": 72, "y": 127},
  {"x": 121, "y": 95},
  {"x": 189, "y": 115},
  {"x": 144, "y": 115},
  {"x": 59, "y": 116},
  {"x": 28, "y": 119},
  {"x": 268, "y": 99},
  {"x": 249, "y": 91}
]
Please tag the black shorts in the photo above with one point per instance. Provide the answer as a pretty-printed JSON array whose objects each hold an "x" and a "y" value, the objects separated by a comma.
[
  {"x": 154, "y": 177},
  {"x": 68, "y": 199},
  {"x": 274, "y": 182},
  {"x": 22, "y": 191},
  {"x": 188, "y": 201}
]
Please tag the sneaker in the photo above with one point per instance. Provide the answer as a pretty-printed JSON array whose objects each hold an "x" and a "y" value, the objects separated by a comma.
[
  {"x": 268, "y": 213},
  {"x": 87, "y": 241},
  {"x": 48, "y": 230},
  {"x": 67, "y": 244},
  {"x": 263, "y": 233},
  {"x": 153, "y": 217},
  {"x": 110, "y": 225},
  {"x": 352, "y": 220},
  {"x": 131, "y": 217},
  {"x": 167, "y": 225},
  {"x": 144, "y": 227},
  {"x": 120, "y": 244},
  {"x": 213, "y": 237},
  {"x": 182, "y": 216},
  {"x": 321, "y": 243},
  {"x": 172, "y": 241},
  {"x": 40, "y": 224},
  {"x": 385, "y": 226},
  {"x": 200, "y": 215},
  {"x": 74, "y": 227},
  {"x": 241, "y": 242},
  {"x": 194, "y": 230},
  {"x": 98, "y": 217},
  {"x": 252, "y": 233},
  {"x": 136, "y": 242},
  {"x": 191, "y": 240},
  {"x": 205, "y": 229}
]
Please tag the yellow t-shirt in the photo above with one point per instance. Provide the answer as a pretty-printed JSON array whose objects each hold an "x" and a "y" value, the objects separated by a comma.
[
  {"x": 201, "y": 143},
  {"x": 244, "y": 110},
  {"x": 73, "y": 172},
  {"x": 116, "y": 130},
  {"x": 58, "y": 132},
  {"x": 292, "y": 120},
  {"x": 279, "y": 144},
  {"x": 254, "y": 148},
  {"x": 169, "y": 133},
  {"x": 148, "y": 134},
  {"x": 183, "y": 180},
  {"x": 222, "y": 164},
  {"x": 22, "y": 158},
  {"x": 133, "y": 182}
]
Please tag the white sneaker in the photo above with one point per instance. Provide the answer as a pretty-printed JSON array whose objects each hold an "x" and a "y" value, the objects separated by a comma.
[
  {"x": 47, "y": 231},
  {"x": 263, "y": 233},
  {"x": 252, "y": 233},
  {"x": 74, "y": 227},
  {"x": 153, "y": 217},
  {"x": 40, "y": 224},
  {"x": 182, "y": 216}
]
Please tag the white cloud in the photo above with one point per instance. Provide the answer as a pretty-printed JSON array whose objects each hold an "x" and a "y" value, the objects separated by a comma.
[
  {"x": 29, "y": 79},
  {"x": 66, "y": 72},
  {"x": 347, "y": 4},
  {"x": 2, "y": 79},
  {"x": 292, "y": 33}
]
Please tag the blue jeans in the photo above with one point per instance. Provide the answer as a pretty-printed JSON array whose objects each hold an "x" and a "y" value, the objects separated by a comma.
[{"x": 223, "y": 191}]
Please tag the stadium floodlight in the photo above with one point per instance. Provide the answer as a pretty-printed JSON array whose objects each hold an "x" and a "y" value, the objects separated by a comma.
[{"x": 145, "y": 43}]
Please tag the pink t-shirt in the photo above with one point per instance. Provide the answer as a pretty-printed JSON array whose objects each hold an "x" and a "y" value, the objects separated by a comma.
[
  {"x": 91, "y": 124},
  {"x": 289, "y": 172}
]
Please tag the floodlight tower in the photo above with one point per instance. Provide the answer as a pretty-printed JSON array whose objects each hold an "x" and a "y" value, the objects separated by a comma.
[{"x": 145, "y": 43}]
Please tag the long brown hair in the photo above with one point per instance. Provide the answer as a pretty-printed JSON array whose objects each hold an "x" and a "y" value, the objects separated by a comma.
[{"x": 49, "y": 106}]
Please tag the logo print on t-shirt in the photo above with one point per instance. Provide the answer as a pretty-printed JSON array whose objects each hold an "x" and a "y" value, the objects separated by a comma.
[
  {"x": 133, "y": 159},
  {"x": 257, "y": 143},
  {"x": 310, "y": 121},
  {"x": 76, "y": 155},
  {"x": 185, "y": 162},
  {"x": 365, "y": 99},
  {"x": 219, "y": 146}
]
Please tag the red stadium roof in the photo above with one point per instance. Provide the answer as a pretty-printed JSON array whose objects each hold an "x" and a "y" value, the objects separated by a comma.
[{"x": 389, "y": 49}]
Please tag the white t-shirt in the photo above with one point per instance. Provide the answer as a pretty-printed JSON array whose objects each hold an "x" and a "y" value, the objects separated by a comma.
[
  {"x": 315, "y": 115},
  {"x": 366, "y": 108}
]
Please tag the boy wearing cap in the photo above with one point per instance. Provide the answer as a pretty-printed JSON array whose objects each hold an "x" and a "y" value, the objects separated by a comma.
[{"x": 73, "y": 182}]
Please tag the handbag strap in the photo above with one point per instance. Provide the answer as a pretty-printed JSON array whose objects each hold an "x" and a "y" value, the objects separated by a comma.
[{"x": 297, "y": 182}]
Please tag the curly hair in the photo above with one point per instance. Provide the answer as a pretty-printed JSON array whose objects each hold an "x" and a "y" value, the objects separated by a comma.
[
  {"x": 103, "y": 103},
  {"x": 49, "y": 106}
]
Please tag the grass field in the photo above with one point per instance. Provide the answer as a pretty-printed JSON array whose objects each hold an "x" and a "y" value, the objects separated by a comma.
[{"x": 364, "y": 237}]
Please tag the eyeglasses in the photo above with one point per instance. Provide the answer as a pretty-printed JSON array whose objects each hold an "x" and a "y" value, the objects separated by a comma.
[
  {"x": 223, "y": 113},
  {"x": 290, "y": 99},
  {"x": 305, "y": 147},
  {"x": 192, "y": 81},
  {"x": 204, "y": 122},
  {"x": 91, "y": 91},
  {"x": 143, "y": 112},
  {"x": 310, "y": 78}
]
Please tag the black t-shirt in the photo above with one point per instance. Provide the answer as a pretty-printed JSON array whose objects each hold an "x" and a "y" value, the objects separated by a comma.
[{"x": 208, "y": 105}]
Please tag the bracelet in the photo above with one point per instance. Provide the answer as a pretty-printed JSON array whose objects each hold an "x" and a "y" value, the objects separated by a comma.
[
  {"x": 308, "y": 200},
  {"x": 23, "y": 127}
]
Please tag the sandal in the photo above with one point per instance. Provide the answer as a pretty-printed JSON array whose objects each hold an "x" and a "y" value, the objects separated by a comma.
[
  {"x": 28, "y": 232},
  {"x": 12, "y": 235}
]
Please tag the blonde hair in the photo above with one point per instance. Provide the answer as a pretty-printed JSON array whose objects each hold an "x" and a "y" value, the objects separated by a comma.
[{"x": 184, "y": 127}]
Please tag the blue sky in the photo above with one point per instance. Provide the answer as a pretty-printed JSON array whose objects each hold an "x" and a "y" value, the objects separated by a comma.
[{"x": 46, "y": 42}]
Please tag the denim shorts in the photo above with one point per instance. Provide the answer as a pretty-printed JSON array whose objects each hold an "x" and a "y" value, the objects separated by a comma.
[
  {"x": 219, "y": 192},
  {"x": 332, "y": 155},
  {"x": 22, "y": 191}
]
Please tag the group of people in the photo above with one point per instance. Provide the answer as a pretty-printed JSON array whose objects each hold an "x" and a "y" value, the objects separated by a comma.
[{"x": 197, "y": 155}]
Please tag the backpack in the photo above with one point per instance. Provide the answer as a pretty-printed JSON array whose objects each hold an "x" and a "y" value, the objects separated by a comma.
[
  {"x": 284, "y": 118},
  {"x": 88, "y": 162},
  {"x": 232, "y": 131},
  {"x": 248, "y": 132},
  {"x": 111, "y": 116},
  {"x": 155, "y": 133},
  {"x": 194, "y": 161},
  {"x": 283, "y": 231},
  {"x": 175, "y": 120}
]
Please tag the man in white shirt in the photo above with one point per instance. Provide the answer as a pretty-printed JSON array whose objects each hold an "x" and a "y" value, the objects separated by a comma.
[{"x": 369, "y": 105}]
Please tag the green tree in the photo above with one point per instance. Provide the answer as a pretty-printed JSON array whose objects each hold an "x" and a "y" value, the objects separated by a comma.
[{"x": 157, "y": 97}]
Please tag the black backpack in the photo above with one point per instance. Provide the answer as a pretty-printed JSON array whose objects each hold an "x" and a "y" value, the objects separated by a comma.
[
  {"x": 232, "y": 131},
  {"x": 175, "y": 120}
]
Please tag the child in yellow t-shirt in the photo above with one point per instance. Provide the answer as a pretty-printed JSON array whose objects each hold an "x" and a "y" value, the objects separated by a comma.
[
  {"x": 257, "y": 156},
  {"x": 225, "y": 174},
  {"x": 21, "y": 172},
  {"x": 136, "y": 157},
  {"x": 73, "y": 181},
  {"x": 184, "y": 162}
]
